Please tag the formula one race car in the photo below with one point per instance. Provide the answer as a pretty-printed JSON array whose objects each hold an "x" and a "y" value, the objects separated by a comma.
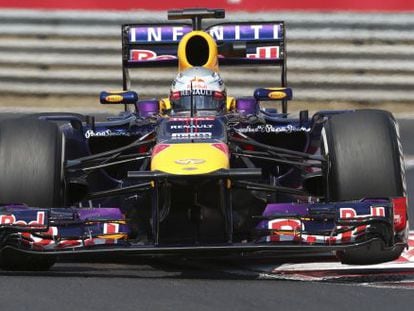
[{"x": 201, "y": 173}]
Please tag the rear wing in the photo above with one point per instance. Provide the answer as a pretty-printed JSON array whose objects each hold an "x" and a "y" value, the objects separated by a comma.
[{"x": 155, "y": 45}]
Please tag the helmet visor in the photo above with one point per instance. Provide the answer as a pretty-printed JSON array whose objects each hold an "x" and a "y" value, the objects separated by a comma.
[{"x": 200, "y": 102}]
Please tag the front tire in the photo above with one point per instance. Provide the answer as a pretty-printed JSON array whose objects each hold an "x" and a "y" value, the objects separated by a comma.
[
  {"x": 31, "y": 172},
  {"x": 364, "y": 161},
  {"x": 31, "y": 163}
]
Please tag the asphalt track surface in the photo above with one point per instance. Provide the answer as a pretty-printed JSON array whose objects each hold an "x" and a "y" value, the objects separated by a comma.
[{"x": 163, "y": 285}]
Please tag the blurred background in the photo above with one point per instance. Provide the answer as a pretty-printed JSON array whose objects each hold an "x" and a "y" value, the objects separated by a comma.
[{"x": 57, "y": 55}]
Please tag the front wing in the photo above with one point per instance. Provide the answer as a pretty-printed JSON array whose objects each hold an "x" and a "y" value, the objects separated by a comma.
[{"x": 283, "y": 229}]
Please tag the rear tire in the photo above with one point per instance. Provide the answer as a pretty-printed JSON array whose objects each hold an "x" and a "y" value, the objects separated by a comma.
[
  {"x": 365, "y": 161},
  {"x": 31, "y": 170}
]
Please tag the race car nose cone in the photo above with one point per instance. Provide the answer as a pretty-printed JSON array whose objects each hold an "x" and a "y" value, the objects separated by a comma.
[{"x": 190, "y": 159}]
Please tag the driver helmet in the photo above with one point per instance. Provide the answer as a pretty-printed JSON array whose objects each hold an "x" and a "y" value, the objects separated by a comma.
[{"x": 198, "y": 85}]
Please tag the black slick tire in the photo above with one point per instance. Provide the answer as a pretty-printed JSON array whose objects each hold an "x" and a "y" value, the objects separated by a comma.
[
  {"x": 31, "y": 160},
  {"x": 364, "y": 161},
  {"x": 31, "y": 170}
]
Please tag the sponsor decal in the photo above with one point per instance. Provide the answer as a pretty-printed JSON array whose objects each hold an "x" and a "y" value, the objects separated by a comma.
[
  {"x": 285, "y": 230},
  {"x": 246, "y": 32},
  {"x": 191, "y": 135},
  {"x": 348, "y": 212},
  {"x": 157, "y": 34},
  {"x": 190, "y": 126},
  {"x": 108, "y": 132},
  {"x": 220, "y": 32},
  {"x": 265, "y": 52},
  {"x": 189, "y": 161},
  {"x": 114, "y": 98},
  {"x": 196, "y": 91},
  {"x": 277, "y": 95},
  {"x": 146, "y": 55},
  {"x": 12, "y": 220},
  {"x": 268, "y": 128}
]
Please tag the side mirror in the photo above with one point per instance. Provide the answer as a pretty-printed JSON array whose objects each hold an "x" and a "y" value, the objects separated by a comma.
[
  {"x": 280, "y": 93},
  {"x": 247, "y": 106},
  {"x": 147, "y": 108},
  {"x": 118, "y": 97}
]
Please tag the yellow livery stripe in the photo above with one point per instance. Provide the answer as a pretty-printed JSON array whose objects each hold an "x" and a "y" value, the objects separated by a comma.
[{"x": 190, "y": 159}]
